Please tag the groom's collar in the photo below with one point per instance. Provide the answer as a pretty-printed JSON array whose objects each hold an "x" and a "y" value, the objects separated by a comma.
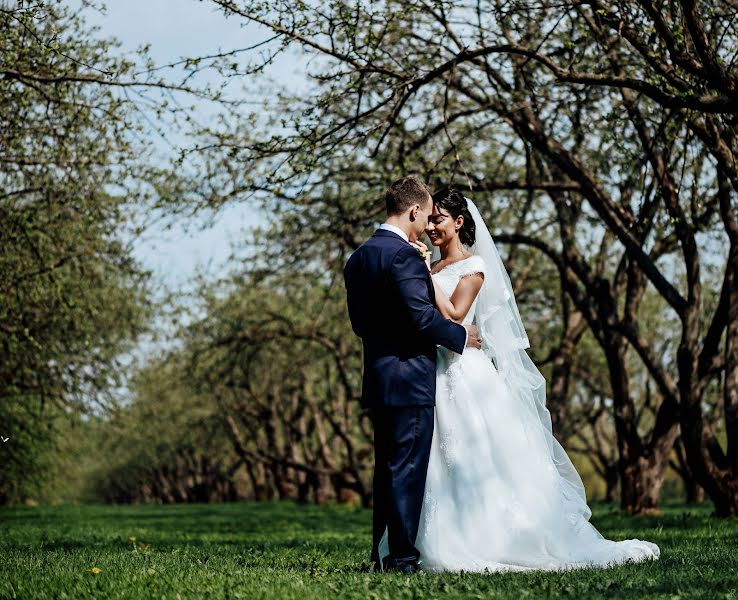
[{"x": 395, "y": 230}]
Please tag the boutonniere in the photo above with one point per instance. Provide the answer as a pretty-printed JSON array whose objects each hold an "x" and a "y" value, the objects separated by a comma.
[{"x": 424, "y": 252}]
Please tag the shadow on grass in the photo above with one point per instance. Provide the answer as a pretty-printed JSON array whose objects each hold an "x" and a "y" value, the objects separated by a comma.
[
  {"x": 284, "y": 531},
  {"x": 279, "y": 534},
  {"x": 274, "y": 517}
]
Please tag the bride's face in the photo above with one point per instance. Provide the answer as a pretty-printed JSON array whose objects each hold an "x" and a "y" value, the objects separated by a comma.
[{"x": 442, "y": 227}]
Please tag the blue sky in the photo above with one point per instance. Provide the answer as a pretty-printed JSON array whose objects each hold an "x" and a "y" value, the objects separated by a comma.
[{"x": 174, "y": 29}]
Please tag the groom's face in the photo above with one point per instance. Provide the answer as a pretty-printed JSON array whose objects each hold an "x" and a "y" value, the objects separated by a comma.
[{"x": 423, "y": 214}]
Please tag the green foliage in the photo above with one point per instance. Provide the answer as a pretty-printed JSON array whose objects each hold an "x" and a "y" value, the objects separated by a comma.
[
  {"x": 72, "y": 299},
  {"x": 167, "y": 445},
  {"x": 276, "y": 352},
  {"x": 281, "y": 550},
  {"x": 592, "y": 162}
]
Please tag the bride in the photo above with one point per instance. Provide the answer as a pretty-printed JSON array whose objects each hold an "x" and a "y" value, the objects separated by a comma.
[{"x": 501, "y": 493}]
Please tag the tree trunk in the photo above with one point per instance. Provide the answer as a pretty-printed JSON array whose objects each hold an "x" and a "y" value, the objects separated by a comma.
[
  {"x": 641, "y": 483},
  {"x": 561, "y": 371},
  {"x": 323, "y": 490},
  {"x": 612, "y": 479},
  {"x": 726, "y": 504},
  {"x": 258, "y": 480},
  {"x": 714, "y": 469},
  {"x": 641, "y": 466},
  {"x": 694, "y": 492}
]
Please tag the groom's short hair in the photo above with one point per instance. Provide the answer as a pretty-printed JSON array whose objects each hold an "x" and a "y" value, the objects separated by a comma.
[{"x": 404, "y": 193}]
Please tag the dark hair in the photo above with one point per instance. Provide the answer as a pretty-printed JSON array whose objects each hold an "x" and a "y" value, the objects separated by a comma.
[
  {"x": 453, "y": 201},
  {"x": 404, "y": 193}
]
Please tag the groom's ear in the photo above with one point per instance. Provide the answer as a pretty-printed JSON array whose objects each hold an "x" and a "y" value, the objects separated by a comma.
[{"x": 414, "y": 212}]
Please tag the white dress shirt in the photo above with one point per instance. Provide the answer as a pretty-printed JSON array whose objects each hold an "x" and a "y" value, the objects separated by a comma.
[
  {"x": 403, "y": 235},
  {"x": 396, "y": 230}
]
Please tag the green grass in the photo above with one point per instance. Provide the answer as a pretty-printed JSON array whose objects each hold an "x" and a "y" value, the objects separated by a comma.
[{"x": 281, "y": 550}]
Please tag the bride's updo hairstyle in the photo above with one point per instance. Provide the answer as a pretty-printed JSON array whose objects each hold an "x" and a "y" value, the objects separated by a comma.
[{"x": 453, "y": 202}]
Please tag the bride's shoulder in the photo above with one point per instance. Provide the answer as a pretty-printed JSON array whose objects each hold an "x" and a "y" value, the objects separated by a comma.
[{"x": 473, "y": 264}]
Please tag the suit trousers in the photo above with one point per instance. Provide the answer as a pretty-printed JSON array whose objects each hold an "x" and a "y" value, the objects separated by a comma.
[{"x": 402, "y": 444}]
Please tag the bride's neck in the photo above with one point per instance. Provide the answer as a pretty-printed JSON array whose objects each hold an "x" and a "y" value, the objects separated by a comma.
[{"x": 452, "y": 251}]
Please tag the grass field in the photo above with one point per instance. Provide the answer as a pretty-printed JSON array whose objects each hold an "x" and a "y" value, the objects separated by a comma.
[{"x": 281, "y": 550}]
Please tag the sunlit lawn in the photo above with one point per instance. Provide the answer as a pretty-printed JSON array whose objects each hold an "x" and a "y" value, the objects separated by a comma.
[{"x": 281, "y": 550}]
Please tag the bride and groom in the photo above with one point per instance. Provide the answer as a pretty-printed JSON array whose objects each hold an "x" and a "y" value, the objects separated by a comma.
[{"x": 468, "y": 475}]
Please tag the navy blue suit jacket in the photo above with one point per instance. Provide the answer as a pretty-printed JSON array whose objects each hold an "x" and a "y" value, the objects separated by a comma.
[{"x": 391, "y": 304}]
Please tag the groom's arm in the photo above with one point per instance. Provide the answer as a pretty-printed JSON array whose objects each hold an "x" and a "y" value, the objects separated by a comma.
[
  {"x": 349, "y": 272},
  {"x": 410, "y": 276}
]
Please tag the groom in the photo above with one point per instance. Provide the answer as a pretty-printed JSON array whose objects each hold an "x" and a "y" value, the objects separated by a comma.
[{"x": 392, "y": 309}]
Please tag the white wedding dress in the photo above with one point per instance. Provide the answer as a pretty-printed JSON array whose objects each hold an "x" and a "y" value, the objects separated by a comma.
[{"x": 501, "y": 493}]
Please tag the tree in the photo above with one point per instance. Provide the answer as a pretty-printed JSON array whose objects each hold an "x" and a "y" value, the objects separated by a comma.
[
  {"x": 167, "y": 445},
  {"x": 274, "y": 351},
  {"x": 609, "y": 127},
  {"x": 75, "y": 167}
]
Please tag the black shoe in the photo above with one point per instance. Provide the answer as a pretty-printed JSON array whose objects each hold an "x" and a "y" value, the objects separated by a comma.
[{"x": 406, "y": 566}]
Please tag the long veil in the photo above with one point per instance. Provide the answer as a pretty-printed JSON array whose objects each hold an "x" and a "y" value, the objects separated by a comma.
[{"x": 504, "y": 340}]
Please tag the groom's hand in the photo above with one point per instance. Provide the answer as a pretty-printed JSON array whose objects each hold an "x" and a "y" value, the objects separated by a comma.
[
  {"x": 423, "y": 251},
  {"x": 473, "y": 338}
]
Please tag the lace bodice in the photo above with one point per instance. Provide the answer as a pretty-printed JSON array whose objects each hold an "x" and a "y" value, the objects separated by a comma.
[{"x": 448, "y": 278}]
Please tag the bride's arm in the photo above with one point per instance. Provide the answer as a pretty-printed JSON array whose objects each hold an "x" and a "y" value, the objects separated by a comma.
[{"x": 456, "y": 307}]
